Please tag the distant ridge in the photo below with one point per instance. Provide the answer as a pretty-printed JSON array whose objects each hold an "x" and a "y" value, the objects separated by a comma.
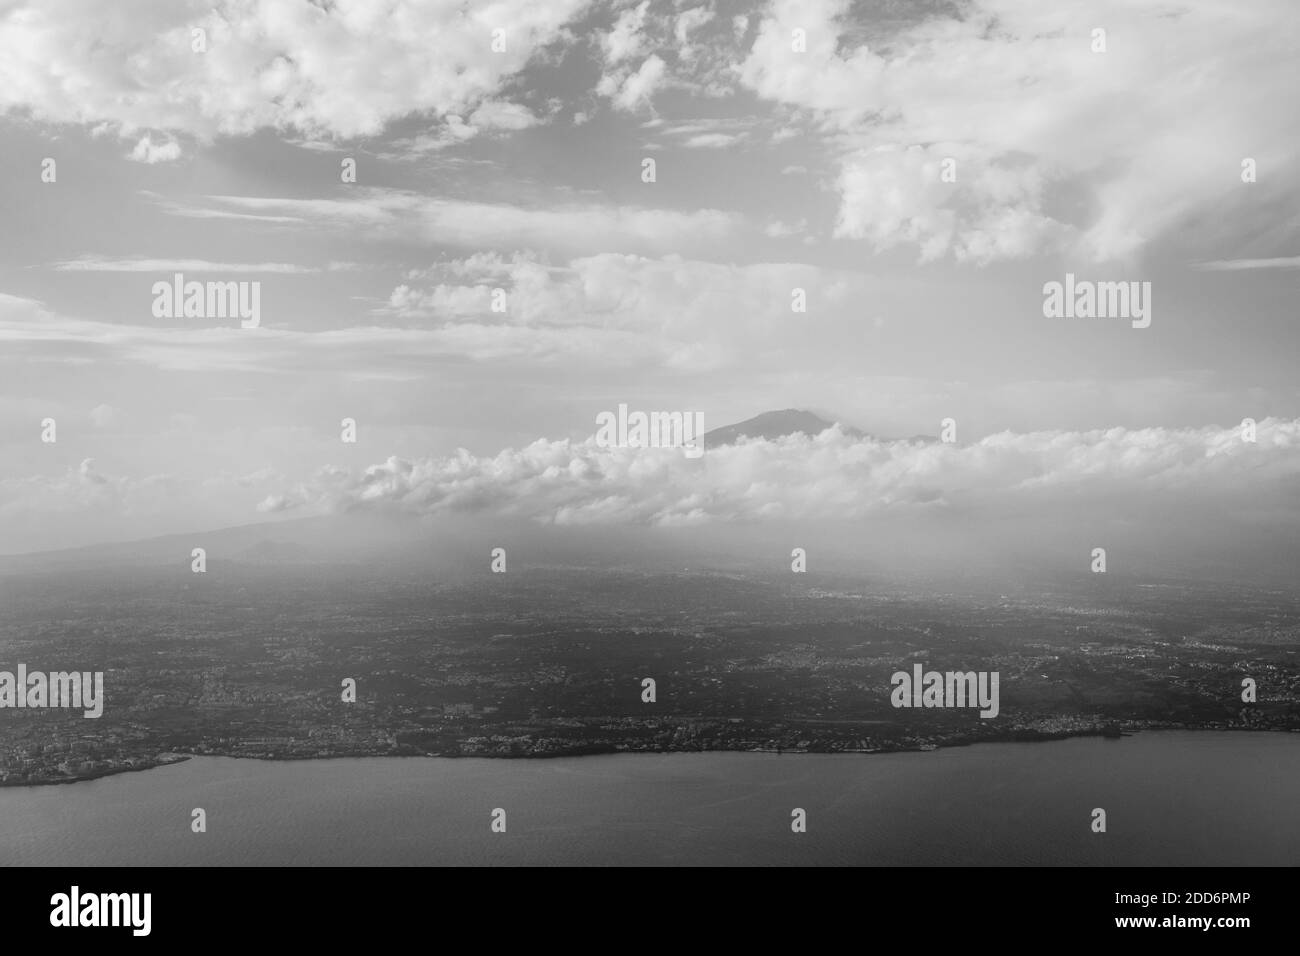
[
  {"x": 773, "y": 425},
  {"x": 791, "y": 421}
]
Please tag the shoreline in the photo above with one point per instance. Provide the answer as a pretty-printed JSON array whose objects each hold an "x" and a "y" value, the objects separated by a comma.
[{"x": 175, "y": 757}]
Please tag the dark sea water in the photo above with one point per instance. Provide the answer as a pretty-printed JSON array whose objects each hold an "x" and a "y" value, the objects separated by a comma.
[{"x": 1172, "y": 798}]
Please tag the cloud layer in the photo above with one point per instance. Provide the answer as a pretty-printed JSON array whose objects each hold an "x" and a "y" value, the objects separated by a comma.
[{"x": 830, "y": 476}]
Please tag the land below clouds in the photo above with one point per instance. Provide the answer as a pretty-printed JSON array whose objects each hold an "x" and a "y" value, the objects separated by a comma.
[{"x": 247, "y": 659}]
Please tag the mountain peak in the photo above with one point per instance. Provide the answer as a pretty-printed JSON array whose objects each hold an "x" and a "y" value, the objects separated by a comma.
[{"x": 774, "y": 424}]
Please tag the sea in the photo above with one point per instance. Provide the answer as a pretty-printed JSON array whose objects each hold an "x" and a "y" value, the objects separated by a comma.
[{"x": 1171, "y": 798}]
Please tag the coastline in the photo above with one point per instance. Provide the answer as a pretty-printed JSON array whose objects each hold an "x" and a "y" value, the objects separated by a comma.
[
  {"x": 1130, "y": 729},
  {"x": 162, "y": 760}
]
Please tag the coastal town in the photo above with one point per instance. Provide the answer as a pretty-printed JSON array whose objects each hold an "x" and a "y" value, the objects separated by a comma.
[{"x": 540, "y": 667}]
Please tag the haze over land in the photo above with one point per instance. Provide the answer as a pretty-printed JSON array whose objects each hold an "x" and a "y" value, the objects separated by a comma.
[
  {"x": 1208, "y": 507},
  {"x": 247, "y": 658},
  {"x": 547, "y": 658}
]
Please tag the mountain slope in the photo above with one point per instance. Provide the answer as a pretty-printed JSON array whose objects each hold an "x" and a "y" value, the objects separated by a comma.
[{"x": 772, "y": 425}]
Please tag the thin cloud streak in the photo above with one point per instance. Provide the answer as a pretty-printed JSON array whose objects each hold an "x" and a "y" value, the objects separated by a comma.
[{"x": 93, "y": 264}]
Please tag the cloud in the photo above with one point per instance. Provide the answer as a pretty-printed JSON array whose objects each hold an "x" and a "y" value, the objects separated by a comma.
[
  {"x": 783, "y": 230},
  {"x": 30, "y": 333},
  {"x": 713, "y": 132},
  {"x": 392, "y": 214},
  {"x": 1057, "y": 147},
  {"x": 630, "y": 90},
  {"x": 104, "y": 416},
  {"x": 18, "y": 305},
  {"x": 496, "y": 114},
  {"x": 493, "y": 116},
  {"x": 97, "y": 264},
  {"x": 1234, "y": 265},
  {"x": 884, "y": 199},
  {"x": 191, "y": 211},
  {"x": 625, "y": 40},
  {"x": 649, "y": 49},
  {"x": 690, "y": 314},
  {"x": 80, "y": 489},
  {"x": 603, "y": 311},
  {"x": 711, "y": 141},
  {"x": 146, "y": 151},
  {"x": 829, "y": 476},
  {"x": 325, "y": 70},
  {"x": 688, "y": 22},
  {"x": 85, "y": 503}
]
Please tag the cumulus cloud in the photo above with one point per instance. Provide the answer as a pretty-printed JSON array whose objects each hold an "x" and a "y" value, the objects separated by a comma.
[
  {"x": 147, "y": 151},
  {"x": 650, "y": 47},
  {"x": 890, "y": 196},
  {"x": 1056, "y": 146},
  {"x": 328, "y": 70},
  {"x": 829, "y": 476},
  {"x": 625, "y": 40},
  {"x": 630, "y": 91}
]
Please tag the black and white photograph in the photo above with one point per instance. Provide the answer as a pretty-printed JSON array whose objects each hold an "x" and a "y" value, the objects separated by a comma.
[{"x": 650, "y": 434}]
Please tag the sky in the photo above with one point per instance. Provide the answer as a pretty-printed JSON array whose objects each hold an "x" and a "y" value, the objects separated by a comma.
[{"x": 919, "y": 170}]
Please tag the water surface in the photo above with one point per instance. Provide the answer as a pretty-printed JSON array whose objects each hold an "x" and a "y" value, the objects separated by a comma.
[{"x": 1172, "y": 798}]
